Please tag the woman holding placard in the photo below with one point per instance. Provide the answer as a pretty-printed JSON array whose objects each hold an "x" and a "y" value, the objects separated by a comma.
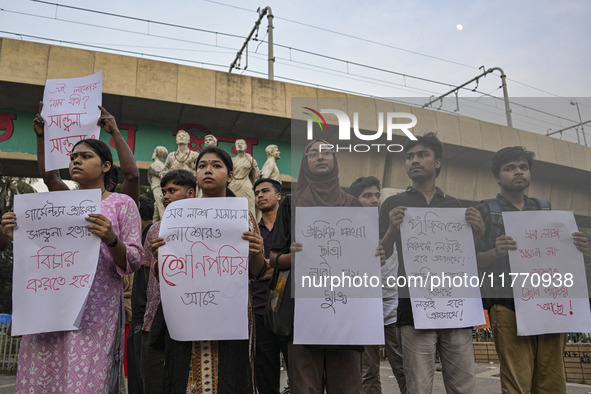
[
  {"x": 312, "y": 369},
  {"x": 87, "y": 359},
  {"x": 215, "y": 366}
]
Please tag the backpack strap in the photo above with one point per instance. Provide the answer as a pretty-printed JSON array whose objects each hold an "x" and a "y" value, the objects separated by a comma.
[
  {"x": 496, "y": 215},
  {"x": 496, "y": 219}
]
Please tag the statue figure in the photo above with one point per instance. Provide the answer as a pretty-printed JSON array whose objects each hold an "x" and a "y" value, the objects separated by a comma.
[
  {"x": 270, "y": 169},
  {"x": 154, "y": 176},
  {"x": 210, "y": 140},
  {"x": 246, "y": 172},
  {"x": 182, "y": 158}
]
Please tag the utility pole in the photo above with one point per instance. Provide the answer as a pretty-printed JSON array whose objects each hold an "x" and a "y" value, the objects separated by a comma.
[
  {"x": 271, "y": 60},
  {"x": 575, "y": 102},
  {"x": 475, "y": 79}
]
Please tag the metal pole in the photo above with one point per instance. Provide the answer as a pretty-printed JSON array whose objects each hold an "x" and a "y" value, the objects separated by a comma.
[
  {"x": 505, "y": 95},
  {"x": 270, "y": 33},
  {"x": 575, "y": 102},
  {"x": 503, "y": 83},
  {"x": 266, "y": 11},
  {"x": 567, "y": 128},
  {"x": 255, "y": 28}
]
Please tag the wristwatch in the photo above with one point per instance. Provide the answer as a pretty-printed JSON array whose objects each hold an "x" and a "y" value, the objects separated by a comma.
[{"x": 114, "y": 243}]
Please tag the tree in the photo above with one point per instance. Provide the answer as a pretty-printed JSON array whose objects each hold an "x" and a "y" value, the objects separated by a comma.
[{"x": 9, "y": 187}]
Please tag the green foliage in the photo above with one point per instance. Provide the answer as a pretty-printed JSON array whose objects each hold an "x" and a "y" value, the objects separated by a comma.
[{"x": 9, "y": 187}]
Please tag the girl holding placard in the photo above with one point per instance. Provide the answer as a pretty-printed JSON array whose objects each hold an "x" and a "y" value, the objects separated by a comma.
[
  {"x": 88, "y": 358},
  {"x": 215, "y": 366}
]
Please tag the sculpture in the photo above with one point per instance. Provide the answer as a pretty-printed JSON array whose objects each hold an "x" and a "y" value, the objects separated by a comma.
[
  {"x": 246, "y": 171},
  {"x": 182, "y": 158},
  {"x": 270, "y": 169},
  {"x": 210, "y": 140},
  {"x": 154, "y": 176}
]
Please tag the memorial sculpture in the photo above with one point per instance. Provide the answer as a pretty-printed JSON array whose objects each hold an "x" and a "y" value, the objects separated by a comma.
[
  {"x": 210, "y": 140},
  {"x": 154, "y": 175},
  {"x": 183, "y": 158},
  {"x": 246, "y": 172},
  {"x": 270, "y": 169}
]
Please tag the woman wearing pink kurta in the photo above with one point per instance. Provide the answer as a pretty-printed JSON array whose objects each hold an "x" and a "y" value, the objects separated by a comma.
[{"x": 87, "y": 360}]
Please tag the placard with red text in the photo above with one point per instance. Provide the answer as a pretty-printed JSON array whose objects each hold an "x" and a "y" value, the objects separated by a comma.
[
  {"x": 203, "y": 269},
  {"x": 70, "y": 111},
  {"x": 55, "y": 259},
  {"x": 547, "y": 273}
]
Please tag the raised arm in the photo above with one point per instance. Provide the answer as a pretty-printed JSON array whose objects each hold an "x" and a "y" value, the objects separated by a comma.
[
  {"x": 52, "y": 179},
  {"x": 131, "y": 181}
]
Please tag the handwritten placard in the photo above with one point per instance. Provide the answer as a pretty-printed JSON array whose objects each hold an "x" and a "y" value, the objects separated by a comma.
[
  {"x": 55, "y": 259},
  {"x": 337, "y": 277},
  {"x": 547, "y": 273},
  {"x": 441, "y": 272},
  {"x": 204, "y": 269},
  {"x": 70, "y": 111}
]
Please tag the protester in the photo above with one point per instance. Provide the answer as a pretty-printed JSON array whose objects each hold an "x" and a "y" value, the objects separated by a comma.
[
  {"x": 315, "y": 368},
  {"x": 423, "y": 164},
  {"x": 267, "y": 194},
  {"x": 229, "y": 368},
  {"x": 138, "y": 308},
  {"x": 528, "y": 363},
  {"x": 176, "y": 185},
  {"x": 89, "y": 357},
  {"x": 367, "y": 191}
]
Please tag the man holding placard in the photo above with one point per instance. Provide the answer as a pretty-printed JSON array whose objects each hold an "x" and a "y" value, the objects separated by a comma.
[
  {"x": 528, "y": 362},
  {"x": 176, "y": 185},
  {"x": 423, "y": 164},
  {"x": 367, "y": 190}
]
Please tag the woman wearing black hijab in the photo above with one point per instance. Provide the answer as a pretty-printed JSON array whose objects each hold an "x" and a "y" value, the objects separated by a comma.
[{"x": 312, "y": 369}]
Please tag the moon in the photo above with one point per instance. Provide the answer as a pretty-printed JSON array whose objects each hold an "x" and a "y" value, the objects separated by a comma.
[{"x": 459, "y": 27}]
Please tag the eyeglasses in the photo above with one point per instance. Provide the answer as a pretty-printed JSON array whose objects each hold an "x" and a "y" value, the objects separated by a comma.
[{"x": 325, "y": 154}]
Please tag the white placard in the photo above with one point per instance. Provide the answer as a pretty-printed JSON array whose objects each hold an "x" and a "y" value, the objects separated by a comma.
[
  {"x": 547, "y": 273},
  {"x": 440, "y": 263},
  {"x": 339, "y": 244},
  {"x": 204, "y": 269},
  {"x": 70, "y": 111},
  {"x": 55, "y": 259}
]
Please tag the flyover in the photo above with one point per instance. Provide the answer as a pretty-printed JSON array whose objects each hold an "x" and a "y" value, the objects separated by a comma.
[{"x": 151, "y": 100}]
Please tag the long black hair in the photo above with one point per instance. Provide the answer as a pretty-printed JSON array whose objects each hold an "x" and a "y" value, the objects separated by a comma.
[{"x": 104, "y": 153}]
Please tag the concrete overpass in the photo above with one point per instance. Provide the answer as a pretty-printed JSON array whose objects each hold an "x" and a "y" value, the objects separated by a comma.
[{"x": 152, "y": 99}]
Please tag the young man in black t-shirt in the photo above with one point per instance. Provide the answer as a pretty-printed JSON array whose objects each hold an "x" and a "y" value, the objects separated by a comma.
[{"x": 423, "y": 164}]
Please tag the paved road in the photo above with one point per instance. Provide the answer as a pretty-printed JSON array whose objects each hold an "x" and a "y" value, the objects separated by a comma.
[{"x": 487, "y": 381}]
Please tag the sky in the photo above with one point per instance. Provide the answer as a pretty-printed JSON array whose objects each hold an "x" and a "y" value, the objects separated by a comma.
[{"x": 375, "y": 48}]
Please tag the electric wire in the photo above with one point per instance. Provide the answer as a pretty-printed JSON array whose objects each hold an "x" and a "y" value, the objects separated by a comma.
[{"x": 290, "y": 48}]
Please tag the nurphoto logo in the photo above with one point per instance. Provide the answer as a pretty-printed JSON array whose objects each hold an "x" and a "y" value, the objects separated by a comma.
[{"x": 345, "y": 129}]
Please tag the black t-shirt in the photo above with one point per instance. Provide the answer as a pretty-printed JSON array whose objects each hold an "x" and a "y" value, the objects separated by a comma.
[
  {"x": 283, "y": 227},
  {"x": 259, "y": 288},
  {"x": 411, "y": 197}
]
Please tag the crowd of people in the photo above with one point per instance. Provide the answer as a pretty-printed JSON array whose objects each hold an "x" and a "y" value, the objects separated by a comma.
[{"x": 90, "y": 359}]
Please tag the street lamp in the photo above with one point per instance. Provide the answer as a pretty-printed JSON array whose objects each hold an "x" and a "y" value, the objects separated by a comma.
[{"x": 574, "y": 102}]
